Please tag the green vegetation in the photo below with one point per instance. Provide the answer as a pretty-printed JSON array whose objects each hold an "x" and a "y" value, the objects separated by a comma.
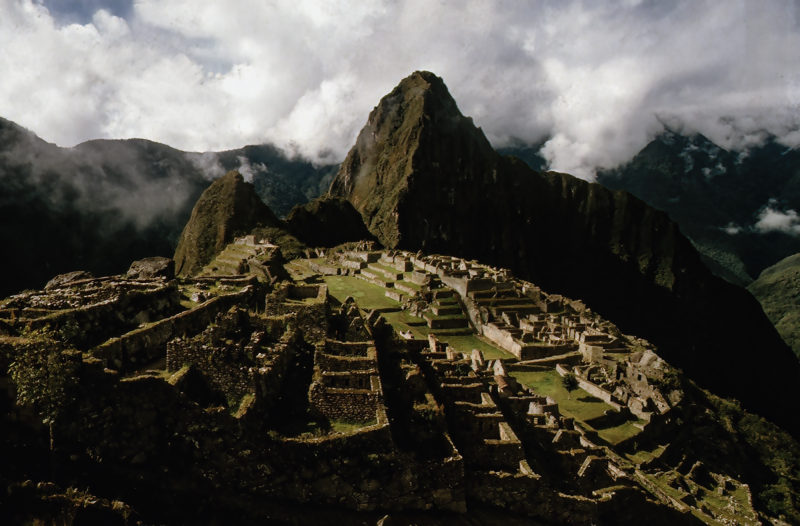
[
  {"x": 464, "y": 343},
  {"x": 367, "y": 295},
  {"x": 778, "y": 290},
  {"x": 642, "y": 455},
  {"x": 615, "y": 435},
  {"x": 228, "y": 208},
  {"x": 291, "y": 247},
  {"x": 569, "y": 383},
  {"x": 44, "y": 374},
  {"x": 548, "y": 383},
  {"x": 344, "y": 427},
  {"x": 773, "y": 447},
  {"x": 408, "y": 283}
]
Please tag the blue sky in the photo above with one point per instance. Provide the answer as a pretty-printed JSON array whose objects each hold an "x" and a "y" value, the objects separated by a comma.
[{"x": 597, "y": 79}]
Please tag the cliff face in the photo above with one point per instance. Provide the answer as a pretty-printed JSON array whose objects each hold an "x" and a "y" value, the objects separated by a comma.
[
  {"x": 400, "y": 147},
  {"x": 425, "y": 178},
  {"x": 327, "y": 222},
  {"x": 229, "y": 207}
]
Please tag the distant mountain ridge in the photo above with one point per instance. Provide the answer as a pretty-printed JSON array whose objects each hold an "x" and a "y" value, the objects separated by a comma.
[
  {"x": 716, "y": 195},
  {"x": 105, "y": 203},
  {"x": 425, "y": 178}
]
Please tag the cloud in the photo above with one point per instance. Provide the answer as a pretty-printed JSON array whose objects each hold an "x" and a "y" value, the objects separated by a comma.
[
  {"x": 598, "y": 79},
  {"x": 248, "y": 170},
  {"x": 772, "y": 220},
  {"x": 731, "y": 228},
  {"x": 207, "y": 163}
]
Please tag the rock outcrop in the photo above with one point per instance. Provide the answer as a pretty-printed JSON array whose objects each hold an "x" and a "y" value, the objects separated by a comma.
[
  {"x": 326, "y": 222},
  {"x": 65, "y": 279},
  {"x": 156, "y": 267},
  {"x": 229, "y": 207},
  {"x": 425, "y": 178}
]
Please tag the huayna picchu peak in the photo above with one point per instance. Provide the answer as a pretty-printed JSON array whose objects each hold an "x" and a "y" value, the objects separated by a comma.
[{"x": 447, "y": 337}]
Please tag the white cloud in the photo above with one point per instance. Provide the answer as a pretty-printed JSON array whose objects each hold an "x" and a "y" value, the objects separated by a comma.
[
  {"x": 208, "y": 164},
  {"x": 771, "y": 220},
  {"x": 248, "y": 170},
  {"x": 731, "y": 228},
  {"x": 600, "y": 79}
]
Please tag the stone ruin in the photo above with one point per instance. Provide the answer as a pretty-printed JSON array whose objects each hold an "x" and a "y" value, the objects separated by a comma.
[{"x": 430, "y": 427}]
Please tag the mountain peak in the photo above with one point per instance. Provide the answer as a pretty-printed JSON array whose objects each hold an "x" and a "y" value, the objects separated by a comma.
[
  {"x": 229, "y": 206},
  {"x": 415, "y": 135}
]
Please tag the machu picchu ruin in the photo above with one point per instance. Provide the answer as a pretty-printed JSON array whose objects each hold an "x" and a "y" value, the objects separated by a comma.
[
  {"x": 382, "y": 357},
  {"x": 379, "y": 381}
]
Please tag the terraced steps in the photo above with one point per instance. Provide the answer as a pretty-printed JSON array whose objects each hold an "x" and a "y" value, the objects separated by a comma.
[
  {"x": 446, "y": 310},
  {"x": 407, "y": 289},
  {"x": 391, "y": 274},
  {"x": 445, "y": 322}
]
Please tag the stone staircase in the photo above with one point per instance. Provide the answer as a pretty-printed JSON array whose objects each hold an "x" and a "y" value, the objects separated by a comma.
[
  {"x": 445, "y": 312},
  {"x": 505, "y": 301}
]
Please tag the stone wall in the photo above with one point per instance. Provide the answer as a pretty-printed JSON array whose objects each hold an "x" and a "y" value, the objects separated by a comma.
[
  {"x": 144, "y": 345},
  {"x": 231, "y": 376},
  {"x": 300, "y": 292},
  {"x": 145, "y": 423},
  {"x": 363, "y": 349},
  {"x": 396, "y": 296},
  {"x": 419, "y": 277},
  {"x": 130, "y": 304},
  {"x": 310, "y": 318},
  {"x": 334, "y": 363},
  {"x": 352, "y": 405},
  {"x": 592, "y": 389},
  {"x": 409, "y": 291},
  {"x": 325, "y": 270}
]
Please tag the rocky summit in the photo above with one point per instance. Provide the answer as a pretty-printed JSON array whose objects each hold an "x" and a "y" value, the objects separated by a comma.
[
  {"x": 228, "y": 206},
  {"x": 455, "y": 357}
]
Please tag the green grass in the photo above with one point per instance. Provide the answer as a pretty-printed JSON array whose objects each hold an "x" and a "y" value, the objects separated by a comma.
[
  {"x": 407, "y": 281},
  {"x": 343, "y": 427},
  {"x": 643, "y": 455},
  {"x": 615, "y": 435},
  {"x": 386, "y": 267},
  {"x": 467, "y": 343},
  {"x": 433, "y": 316},
  {"x": 403, "y": 320},
  {"x": 461, "y": 343},
  {"x": 376, "y": 274},
  {"x": 367, "y": 295},
  {"x": 580, "y": 405}
]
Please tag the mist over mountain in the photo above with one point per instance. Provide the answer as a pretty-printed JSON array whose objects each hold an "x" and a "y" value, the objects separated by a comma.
[{"x": 103, "y": 204}]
